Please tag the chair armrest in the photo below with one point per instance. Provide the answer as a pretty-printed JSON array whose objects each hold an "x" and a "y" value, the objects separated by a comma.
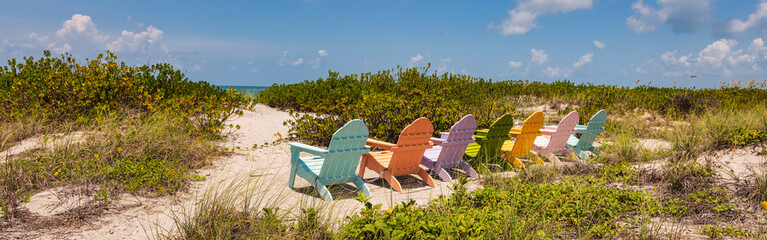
[
  {"x": 515, "y": 131},
  {"x": 553, "y": 127},
  {"x": 438, "y": 141},
  {"x": 481, "y": 132},
  {"x": 580, "y": 129},
  {"x": 380, "y": 144},
  {"x": 548, "y": 132},
  {"x": 444, "y": 135},
  {"x": 308, "y": 148}
]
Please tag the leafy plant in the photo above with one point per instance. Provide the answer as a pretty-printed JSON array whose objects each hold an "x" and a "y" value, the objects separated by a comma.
[
  {"x": 714, "y": 231},
  {"x": 62, "y": 89}
]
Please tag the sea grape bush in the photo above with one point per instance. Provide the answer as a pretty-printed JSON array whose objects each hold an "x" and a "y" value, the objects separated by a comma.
[
  {"x": 389, "y": 100},
  {"x": 62, "y": 89},
  {"x": 524, "y": 210}
]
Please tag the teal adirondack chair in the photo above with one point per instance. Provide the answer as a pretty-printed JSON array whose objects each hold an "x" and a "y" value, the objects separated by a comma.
[
  {"x": 588, "y": 135},
  {"x": 337, "y": 164}
]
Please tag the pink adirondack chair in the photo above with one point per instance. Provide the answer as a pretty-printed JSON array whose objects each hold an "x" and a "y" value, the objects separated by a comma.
[
  {"x": 449, "y": 148},
  {"x": 554, "y": 138}
]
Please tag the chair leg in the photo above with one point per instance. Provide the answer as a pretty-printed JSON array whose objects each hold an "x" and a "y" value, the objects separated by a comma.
[
  {"x": 534, "y": 157},
  {"x": 386, "y": 175},
  {"x": 293, "y": 165},
  {"x": 550, "y": 155},
  {"x": 323, "y": 191},
  {"x": 570, "y": 154},
  {"x": 595, "y": 150},
  {"x": 582, "y": 154},
  {"x": 468, "y": 169},
  {"x": 363, "y": 165},
  {"x": 517, "y": 163},
  {"x": 443, "y": 175},
  {"x": 425, "y": 176},
  {"x": 293, "y": 172},
  {"x": 361, "y": 186}
]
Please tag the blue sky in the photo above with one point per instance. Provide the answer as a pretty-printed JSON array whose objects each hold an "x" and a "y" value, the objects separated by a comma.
[{"x": 264, "y": 42}]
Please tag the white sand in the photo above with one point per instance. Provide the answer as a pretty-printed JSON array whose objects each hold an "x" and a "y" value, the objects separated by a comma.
[
  {"x": 265, "y": 169},
  {"x": 265, "y": 172}
]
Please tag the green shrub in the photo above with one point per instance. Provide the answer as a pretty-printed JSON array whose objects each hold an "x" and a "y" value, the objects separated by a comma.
[
  {"x": 63, "y": 89},
  {"x": 513, "y": 210},
  {"x": 389, "y": 100},
  {"x": 714, "y": 231}
]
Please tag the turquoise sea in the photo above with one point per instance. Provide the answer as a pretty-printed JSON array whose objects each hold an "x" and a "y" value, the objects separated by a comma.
[{"x": 244, "y": 89}]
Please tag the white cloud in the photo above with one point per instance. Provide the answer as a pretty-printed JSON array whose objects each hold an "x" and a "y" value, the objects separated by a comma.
[
  {"x": 130, "y": 20},
  {"x": 286, "y": 60},
  {"x": 199, "y": 66},
  {"x": 522, "y": 18},
  {"x": 80, "y": 25},
  {"x": 414, "y": 60},
  {"x": 539, "y": 56},
  {"x": 61, "y": 48},
  {"x": 253, "y": 70},
  {"x": 599, "y": 44},
  {"x": 132, "y": 42},
  {"x": 443, "y": 64},
  {"x": 684, "y": 16},
  {"x": 585, "y": 59},
  {"x": 35, "y": 37},
  {"x": 757, "y": 19},
  {"x": 233, "y": 69},
  {"x": 289, "y": 61},
  {"x": 720, "y": 58},
  {"x": 297, "y": 62},
  {"x": 316, "y": 63},
  {"x": 515, "y": 64},
  {"x": 556, "y": 72}
]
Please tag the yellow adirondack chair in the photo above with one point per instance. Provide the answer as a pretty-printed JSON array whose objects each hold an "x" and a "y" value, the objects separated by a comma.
[{"x": 513, "y": 150}]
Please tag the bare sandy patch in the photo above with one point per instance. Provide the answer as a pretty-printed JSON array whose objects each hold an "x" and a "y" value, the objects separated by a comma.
[
  {"x": 264, "y": 171},
  {"x": 43, "y": 141}
]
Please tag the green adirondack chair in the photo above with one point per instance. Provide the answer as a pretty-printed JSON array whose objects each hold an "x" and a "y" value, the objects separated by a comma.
[
  {"x": 489, "y": 141},
  {"x": 337, "y": 164},
  {"x": 588, "y": 135}
]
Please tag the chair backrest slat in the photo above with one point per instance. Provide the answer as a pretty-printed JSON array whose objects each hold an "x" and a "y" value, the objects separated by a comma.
[
  {"x": 530, "y": 130},
  {"x": 593, "y": 128},
  {"x": 412, "y": 143},
  {"x": 565, "y": 128},
  {"x": 460, "y": 136},
  {"x": 345, "y": 149},
  {"x": 496, "y": 135}
]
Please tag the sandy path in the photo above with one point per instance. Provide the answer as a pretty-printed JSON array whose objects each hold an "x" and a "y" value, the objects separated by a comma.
[
  {"x": 262, "y": 174},
  {"x": 265, "y": 171}
]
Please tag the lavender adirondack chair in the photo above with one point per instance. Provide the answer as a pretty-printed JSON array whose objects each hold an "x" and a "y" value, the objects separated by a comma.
[
  {"x": 449, "y": 148},
  {"x": 554, "y": 138}
]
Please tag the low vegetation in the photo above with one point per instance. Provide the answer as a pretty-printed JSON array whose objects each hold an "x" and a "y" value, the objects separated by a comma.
[
  {"x": 114, "y": 128},
  {"x": 389, "y": 100},
  {"x": 105, "y": 125}
]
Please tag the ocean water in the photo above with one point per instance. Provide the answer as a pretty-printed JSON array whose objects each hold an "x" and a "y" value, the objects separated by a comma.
[{"x": 244, "y": 89}]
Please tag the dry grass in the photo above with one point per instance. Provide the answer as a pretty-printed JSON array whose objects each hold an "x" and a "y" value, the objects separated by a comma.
[{"x": 143, "y": 156}]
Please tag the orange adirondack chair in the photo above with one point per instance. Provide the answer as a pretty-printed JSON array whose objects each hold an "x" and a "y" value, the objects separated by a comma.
[
  {"x": 403, "y": 158},
  {"x": 513, "y": 150}
]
